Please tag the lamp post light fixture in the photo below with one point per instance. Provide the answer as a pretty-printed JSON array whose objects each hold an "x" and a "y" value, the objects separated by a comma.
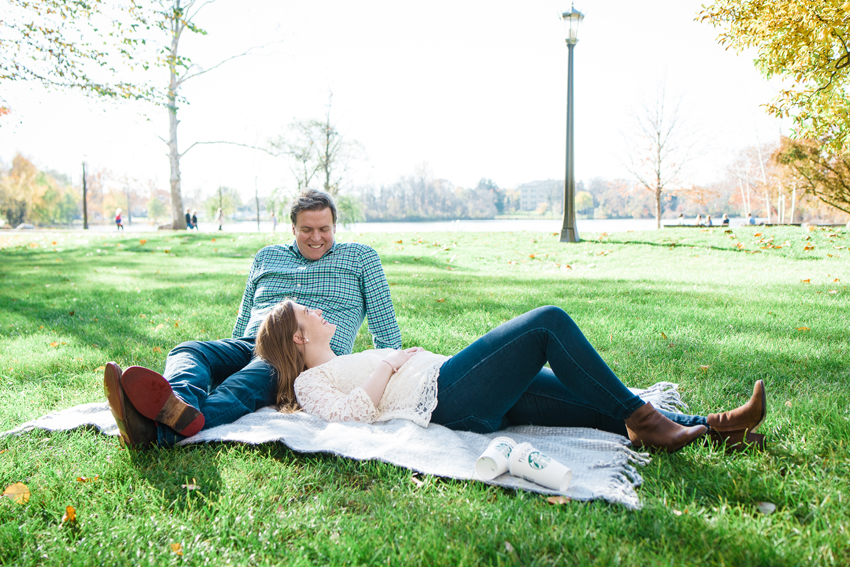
[{"x": 569, "y": 231}]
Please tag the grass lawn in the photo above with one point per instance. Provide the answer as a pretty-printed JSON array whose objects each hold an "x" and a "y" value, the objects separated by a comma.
[{"x": 713, "y": 310}]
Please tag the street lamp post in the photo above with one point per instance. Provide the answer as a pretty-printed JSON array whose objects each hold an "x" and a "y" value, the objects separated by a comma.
[{"x": 569, "y": 231}]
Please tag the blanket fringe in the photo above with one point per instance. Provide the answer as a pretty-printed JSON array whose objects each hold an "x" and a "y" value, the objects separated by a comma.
[{"x": 664, "y": 396}]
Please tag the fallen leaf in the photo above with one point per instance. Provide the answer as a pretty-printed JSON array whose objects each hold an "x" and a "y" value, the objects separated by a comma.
[
  {"x": 143, "y": 242},
  {"x": 663, "y": 335},
  {"x": 177, "y": 548},
  {"x": 705, "y": 367},
  {"x": 54, "y": 344},
  {"x": 766, "y": 508},
  {"x": 509, "y": 548},
  {"x": 87, "y": 479},
  {"x": 557, "y": 500},
  {"x": 677, "y": 512},
  {"x": 803, "y": 329},
  {"x": 70, "y": 515},
  {"x": 757, "y": 234},
  {"x": 833, "y": 291},
  {"x": 71, "y": 313},
  {"x": 160, "y": 326},
  {"x": 176, "y": 325},
  {"x": 190, "y": 486},
  {"x": 532, "y": 256},
  {"x": 399, "y": 241},
  {"x": 166, "y": 251},
  {"x": 100, "y": 369},
  {"x": 157, "y": 349},
  {"x": 806, "y": 280},
  {"x": 417, "y": 482},
  {"x": 17, "y": 492},
  {"x": 808, "y": 247},
  {"x": 440, "y": 300},
  {"x": 836, "y": 280},
  {"x": 788, "y": 404}
]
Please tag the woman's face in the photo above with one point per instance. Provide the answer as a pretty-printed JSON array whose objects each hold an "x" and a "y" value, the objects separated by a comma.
[{"x": 313, "y": 326}]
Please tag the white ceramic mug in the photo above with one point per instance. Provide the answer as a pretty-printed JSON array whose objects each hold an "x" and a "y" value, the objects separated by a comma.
[
  {"x": 494, "y": 461},
  {"x": 532, "y": 465}
]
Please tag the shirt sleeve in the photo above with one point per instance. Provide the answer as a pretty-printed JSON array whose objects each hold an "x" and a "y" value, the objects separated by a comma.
[
  {"x": 247, "y": 298},
  {"x": 379, "y": 306},
  {"x": 317, "y": 395}
]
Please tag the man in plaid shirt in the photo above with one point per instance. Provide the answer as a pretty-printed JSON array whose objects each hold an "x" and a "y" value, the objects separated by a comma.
[{"x": 209, "y": 383}]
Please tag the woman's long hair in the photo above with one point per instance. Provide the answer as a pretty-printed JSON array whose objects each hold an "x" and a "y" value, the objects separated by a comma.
[{"x": 275, "y": 345}]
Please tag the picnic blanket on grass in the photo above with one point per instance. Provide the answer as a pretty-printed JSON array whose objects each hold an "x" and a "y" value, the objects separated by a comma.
[{"x": 602, "y": 463}]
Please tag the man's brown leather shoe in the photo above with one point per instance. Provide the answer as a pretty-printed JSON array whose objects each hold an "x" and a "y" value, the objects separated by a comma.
[{"x": 136, "y": 431}]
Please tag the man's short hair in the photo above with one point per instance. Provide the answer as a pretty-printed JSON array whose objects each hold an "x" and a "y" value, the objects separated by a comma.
[{"x": 312, "y": 200}]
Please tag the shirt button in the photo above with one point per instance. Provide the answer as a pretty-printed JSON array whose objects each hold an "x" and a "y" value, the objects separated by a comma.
[{"x": 299, "y": 285}]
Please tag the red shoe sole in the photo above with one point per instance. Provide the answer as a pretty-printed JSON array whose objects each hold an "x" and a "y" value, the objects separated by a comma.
[{"x": 152, "y": 396}]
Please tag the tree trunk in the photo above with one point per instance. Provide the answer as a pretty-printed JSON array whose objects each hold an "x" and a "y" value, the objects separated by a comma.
[
  {"x": 793, "y": 202},
  {"x": 178, "y": 219},
  {"x": 657, "y": 207}
]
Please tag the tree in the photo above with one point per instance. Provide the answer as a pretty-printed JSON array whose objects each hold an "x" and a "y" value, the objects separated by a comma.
[
  {"x": 318, "y": 152},
  {"x": 660, "y": 147},
  {"x": 226, "y": 198},
  {"x": 817, "y": 171},
  {"x": 79, "y": 45},
  {"x": 30, "y": 195},
  {"x": 805, "y": 43},
  {"x": 584, "y": 202}
]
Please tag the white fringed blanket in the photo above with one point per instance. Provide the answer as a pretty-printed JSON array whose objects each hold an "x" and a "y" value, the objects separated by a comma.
[{"x": 602, "y": 463}]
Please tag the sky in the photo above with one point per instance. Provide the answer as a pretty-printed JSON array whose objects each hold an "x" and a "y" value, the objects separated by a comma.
[{"x": 470, "y": 90}]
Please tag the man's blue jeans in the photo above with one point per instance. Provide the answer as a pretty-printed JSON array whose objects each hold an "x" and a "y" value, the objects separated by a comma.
[
  {"x": 500, "y": 380},
  {"x": 223, "y": 379}
]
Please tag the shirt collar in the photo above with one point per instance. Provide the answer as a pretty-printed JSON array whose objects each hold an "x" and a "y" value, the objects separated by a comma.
[{"x": 293, "y": 246}]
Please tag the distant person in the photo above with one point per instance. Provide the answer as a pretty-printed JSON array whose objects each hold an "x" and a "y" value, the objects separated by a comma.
[
  {"x": 708, "y": 221},
  {"x": 699, "y": 220},
  {"x": 750, "y": 219},
  {"x": 725, "y": 221},
  {"x": 274, "y": 223},
  {"x": 194, "y": 219},
  {"x": 681, "y": 219},
  {"x": 188, "y": 220},
  {"x": 119, "y": 222},
  {"x": 219, "y": 218}
]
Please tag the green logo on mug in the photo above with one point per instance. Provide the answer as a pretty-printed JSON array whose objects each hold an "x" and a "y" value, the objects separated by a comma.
[
  {"x": 538, "y": 460},
  {"x": 504, "y": 449}
]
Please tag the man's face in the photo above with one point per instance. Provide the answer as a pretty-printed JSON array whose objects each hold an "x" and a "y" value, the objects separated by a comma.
[{"x": 314, "y": 233}]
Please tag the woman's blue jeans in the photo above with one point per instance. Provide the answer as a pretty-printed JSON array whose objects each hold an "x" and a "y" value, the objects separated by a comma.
[
  {"x": 223, "y": 379},
  {"x": 500, "y": 380}
]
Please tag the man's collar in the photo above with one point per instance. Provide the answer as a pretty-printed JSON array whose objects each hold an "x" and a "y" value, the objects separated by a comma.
[{"x": 297, "y": 251}]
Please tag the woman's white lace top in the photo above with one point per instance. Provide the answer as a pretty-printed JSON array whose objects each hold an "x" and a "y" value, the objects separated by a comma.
[{"x": 332, "y": 391}]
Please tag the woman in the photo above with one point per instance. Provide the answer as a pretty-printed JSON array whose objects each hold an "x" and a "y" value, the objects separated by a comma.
[
  {"x": 119, "y": 223},
  {"x": 497, "y": 381}
]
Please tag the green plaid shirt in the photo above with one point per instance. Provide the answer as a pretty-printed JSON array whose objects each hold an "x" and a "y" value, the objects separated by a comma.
[{"x": 347, "y": 284}]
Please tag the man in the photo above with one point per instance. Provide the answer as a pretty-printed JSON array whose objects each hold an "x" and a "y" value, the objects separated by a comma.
[{"x": 209, "y": 383}]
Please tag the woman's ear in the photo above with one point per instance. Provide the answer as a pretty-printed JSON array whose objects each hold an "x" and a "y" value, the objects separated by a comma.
[{"x": 298, "y": 339}]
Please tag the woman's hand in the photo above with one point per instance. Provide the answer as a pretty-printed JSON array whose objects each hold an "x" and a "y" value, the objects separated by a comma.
[{"x": 400, "y": 357}]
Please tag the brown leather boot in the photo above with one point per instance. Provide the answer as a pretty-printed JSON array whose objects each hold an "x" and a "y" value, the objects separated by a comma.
[
  {"x": 648, "y": 428},
  {"x": 736, "y": 427}
]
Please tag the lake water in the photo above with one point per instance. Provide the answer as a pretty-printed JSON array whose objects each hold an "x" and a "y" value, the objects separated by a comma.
[{"x": 585, "y": 226}]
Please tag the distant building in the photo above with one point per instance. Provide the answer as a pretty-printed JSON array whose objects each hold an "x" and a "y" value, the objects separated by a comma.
[{"x": 550, "y": 192}]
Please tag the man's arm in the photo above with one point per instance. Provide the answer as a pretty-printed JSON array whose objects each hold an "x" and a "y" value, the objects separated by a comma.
[
  {"x": 247, "y": 299},
  {"x": 379, "y": 306}
]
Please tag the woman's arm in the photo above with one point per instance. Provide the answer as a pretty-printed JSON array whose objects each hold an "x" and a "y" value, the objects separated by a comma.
[{"x": 377, "y": 382}]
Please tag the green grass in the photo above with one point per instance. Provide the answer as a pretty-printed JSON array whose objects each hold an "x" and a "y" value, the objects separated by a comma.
[{"x": 684, "y": 306}]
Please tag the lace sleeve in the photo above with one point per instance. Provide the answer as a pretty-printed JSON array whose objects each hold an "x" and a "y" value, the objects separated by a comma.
[{"x": 318, "y": 395}]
